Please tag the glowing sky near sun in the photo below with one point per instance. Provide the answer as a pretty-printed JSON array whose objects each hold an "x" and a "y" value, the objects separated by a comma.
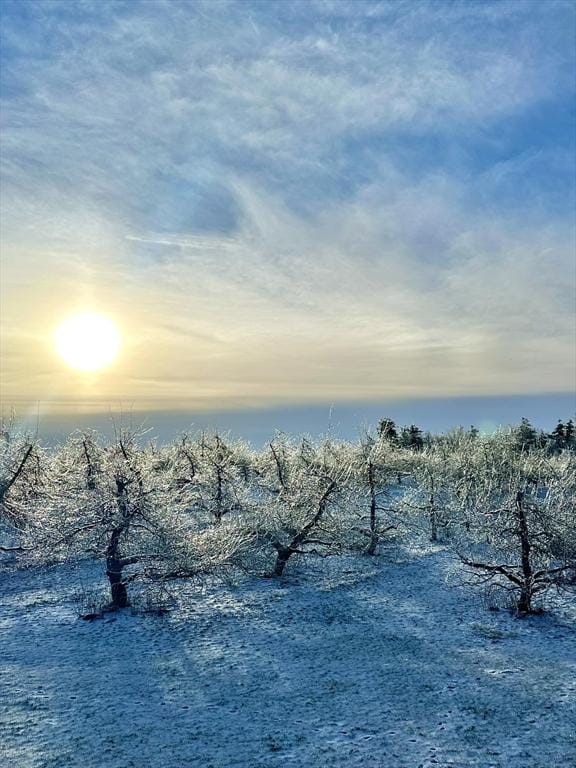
[
  {"x": 289, "y": 202},
  {"x": 87, "y": 342}
]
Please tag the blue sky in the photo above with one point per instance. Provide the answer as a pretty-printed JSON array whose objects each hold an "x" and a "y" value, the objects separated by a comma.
[{"x": 290, "y": 202}]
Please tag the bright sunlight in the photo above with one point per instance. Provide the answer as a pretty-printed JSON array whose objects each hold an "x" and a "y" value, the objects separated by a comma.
[{"x": 87, "y": 342}]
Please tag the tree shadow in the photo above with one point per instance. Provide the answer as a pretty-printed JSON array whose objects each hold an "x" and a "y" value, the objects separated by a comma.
[{"x": 351, "y": 661}]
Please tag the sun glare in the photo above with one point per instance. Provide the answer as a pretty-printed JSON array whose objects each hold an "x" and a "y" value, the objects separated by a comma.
[{"x": 87, "y": 342}]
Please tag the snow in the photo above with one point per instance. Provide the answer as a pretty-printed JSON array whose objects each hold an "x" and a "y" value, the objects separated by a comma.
[{"x": 350, "y": 662}]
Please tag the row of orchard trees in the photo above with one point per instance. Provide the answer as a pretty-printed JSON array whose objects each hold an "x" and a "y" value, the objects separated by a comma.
[{"x": 205, "y": 504}]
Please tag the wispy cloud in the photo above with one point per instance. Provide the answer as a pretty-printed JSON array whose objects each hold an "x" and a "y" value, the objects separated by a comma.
[{"x": 326, "y": 199}]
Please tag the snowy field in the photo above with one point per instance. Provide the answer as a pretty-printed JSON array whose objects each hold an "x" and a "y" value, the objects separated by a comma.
[{"x": 350, "y": 662}]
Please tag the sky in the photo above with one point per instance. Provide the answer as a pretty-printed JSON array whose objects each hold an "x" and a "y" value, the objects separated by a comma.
[{"x": 289, "y": 204}]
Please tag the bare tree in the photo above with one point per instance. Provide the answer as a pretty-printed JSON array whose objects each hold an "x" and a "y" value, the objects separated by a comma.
[
  {"x": 22, "y": 466},
  {"x": 428, "y": 494},
  {"x": 185, "y": 461},
  {"x": 112, "y": 503},
  {"x": 272, "y": 468},
  {"x": 525, "y": 502},
  {"x": 376, "y": 465},
  {"x": 220, "y": 481},
  {"x": 302, "y": 518}
]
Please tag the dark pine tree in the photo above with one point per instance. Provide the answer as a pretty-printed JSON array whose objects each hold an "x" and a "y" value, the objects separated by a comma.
[
  {"x": 558, "y": 437},
  {"x": 387, "y": 430},
  {"x": 412, "y": 438},
  {"x": 526, "y": 436},
  {"x": 570, "y": 434}
]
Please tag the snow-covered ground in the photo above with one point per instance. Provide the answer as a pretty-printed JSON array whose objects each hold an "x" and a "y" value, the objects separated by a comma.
[{"x": 351, "y": 662}]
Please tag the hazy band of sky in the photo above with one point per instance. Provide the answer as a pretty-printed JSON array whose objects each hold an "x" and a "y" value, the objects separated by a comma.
[{"x": 348, "y": 421}]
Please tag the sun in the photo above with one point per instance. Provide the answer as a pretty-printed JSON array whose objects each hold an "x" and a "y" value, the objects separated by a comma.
[{"x": 87, "y": 342}]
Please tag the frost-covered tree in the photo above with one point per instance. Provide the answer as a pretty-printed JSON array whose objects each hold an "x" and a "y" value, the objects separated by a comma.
[
  {"x": 306, "y": 514},
  {"x": 221, "y": 480},
  {"x": 185, "y": 461},
  {"x": 524, "y": 503},
  {"x": 119, "y": 503},
  {"x": 273, "y": 466},
  {"x": 22, "y": 467},
  {"x": 375, "y": 468},
  {"x": 428, "y": 497}
]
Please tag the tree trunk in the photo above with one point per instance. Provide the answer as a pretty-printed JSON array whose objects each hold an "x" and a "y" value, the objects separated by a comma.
[
  {"x": 371, "y": 550},
  {"x": 114, "y": 563},
  {"x": 524, "y": 604},
  {"x": 525, "y": 599},
  {"x": 433, "y": 525},
  {"x": 118, "y": 591},
  {"x": 284, "y": 554},
  {"x": 219, "y": 495},
  {"x": 432, "y": 511}
]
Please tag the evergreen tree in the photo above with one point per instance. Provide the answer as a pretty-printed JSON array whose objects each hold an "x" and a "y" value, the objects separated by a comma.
[
  {"x": 558, "y": 437},
  {"x": 412, "y": 438},
  {"x": 526, "y": 437},
  {"x": 570, "y": 434},
  {"x": 387, "y": 430}
]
